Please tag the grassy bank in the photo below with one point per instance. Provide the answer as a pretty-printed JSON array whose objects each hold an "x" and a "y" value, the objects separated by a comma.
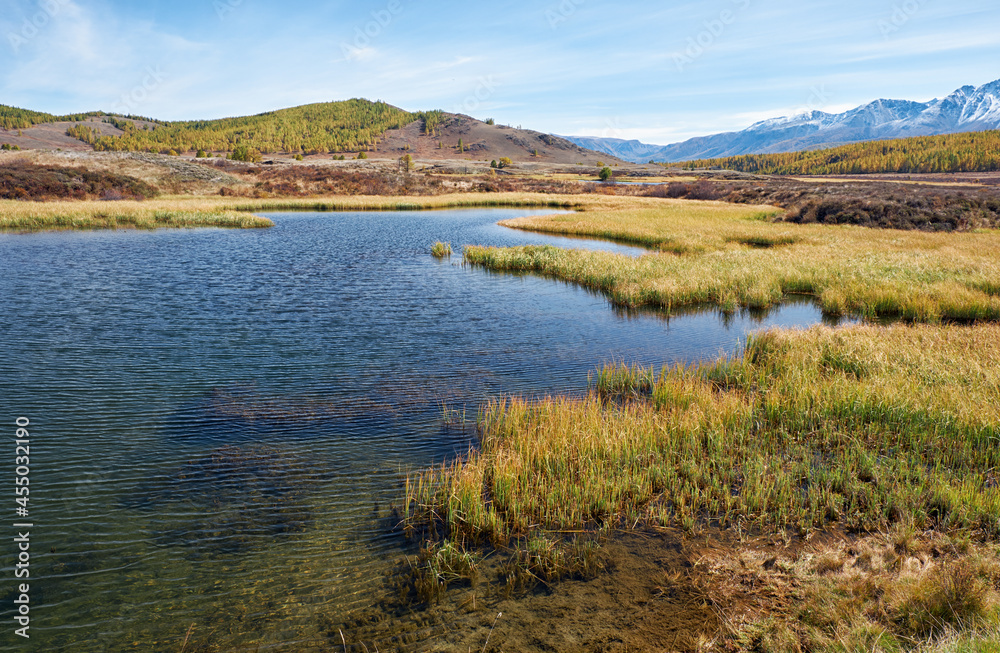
[
  {"x": 228, "y": 212},
  {"x": 886, "y": 434},
  {"x": 408, "y": 203},
  {"x": 861, "y": 427},
  {"x": 42, "y": 216},
  {"x": 715, "y": 254}
]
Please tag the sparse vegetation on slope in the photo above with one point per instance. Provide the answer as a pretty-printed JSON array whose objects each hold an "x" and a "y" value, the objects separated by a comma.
[{"x": 14, "y": 118}]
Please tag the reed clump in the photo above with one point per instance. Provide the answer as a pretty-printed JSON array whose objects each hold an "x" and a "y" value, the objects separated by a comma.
[
  {"x": 544, "y": 559},
  {"x": 441, "y": 250},
  {"x": 711, "y": 255},
  {"x": 439, "y": 566}
]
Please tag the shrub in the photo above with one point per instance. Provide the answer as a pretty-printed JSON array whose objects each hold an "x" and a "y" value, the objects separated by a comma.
[
  {"x": 606, "y": 173},
  {"x": 245, "y": 153},
  {"x": 27, "y": 181},
  {"x": 362, "y": 155}
]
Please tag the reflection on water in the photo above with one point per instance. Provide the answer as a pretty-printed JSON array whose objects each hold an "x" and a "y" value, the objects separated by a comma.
[{"x": 222, "y": 420}]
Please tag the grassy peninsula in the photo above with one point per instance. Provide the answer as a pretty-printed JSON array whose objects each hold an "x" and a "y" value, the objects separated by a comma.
[{"x": 708, "y": 255}]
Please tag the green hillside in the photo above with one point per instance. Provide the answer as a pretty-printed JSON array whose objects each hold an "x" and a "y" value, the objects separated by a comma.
[
  {"x": 967, "y": 152},
  {"x": 14, "y": 118},
  {"x": 313, "y": 128}
]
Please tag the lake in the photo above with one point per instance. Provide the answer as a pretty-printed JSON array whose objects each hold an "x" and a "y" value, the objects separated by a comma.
[{"x": 221, "y": 419}]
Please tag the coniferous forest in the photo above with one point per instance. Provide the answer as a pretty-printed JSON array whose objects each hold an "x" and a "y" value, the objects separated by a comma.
[
  {"x": 966, "y": 152},
  {"x": 310, "y": 129}
]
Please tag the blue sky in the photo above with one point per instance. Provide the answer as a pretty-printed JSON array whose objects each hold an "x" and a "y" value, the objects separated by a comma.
[{"x": 661, "y": 72}]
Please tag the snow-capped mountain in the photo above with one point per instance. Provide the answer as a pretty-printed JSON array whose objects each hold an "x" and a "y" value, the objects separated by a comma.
[{"x": 967, "y": 109}]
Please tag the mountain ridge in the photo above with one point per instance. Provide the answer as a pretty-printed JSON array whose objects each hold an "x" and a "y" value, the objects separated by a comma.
[{"x": 967, "y": 109}]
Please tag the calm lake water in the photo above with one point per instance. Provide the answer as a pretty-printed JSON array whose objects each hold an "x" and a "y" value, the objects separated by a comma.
[{"x": 219, "y": 417}]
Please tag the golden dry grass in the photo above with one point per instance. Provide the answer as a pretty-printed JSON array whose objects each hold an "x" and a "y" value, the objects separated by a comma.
[
  {"x": 151, "y": 214},
  {"x": 886, "y": 592},
  {"x": 733, "y": 256},
  {"x": 861, "y": 427},
  {"x": 191, "y": 211}
]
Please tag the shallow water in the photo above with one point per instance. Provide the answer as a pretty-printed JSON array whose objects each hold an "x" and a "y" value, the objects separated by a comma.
[{"x": 220, "y": 419}]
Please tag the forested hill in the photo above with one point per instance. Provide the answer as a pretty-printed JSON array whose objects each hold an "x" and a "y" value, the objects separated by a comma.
[
  {"x": 14, "y": 118},
  {"x": 313, "y": 128},
  {"x": 965, "y": 152}
]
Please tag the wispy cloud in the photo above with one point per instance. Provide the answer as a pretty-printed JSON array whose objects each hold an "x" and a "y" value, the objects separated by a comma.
[{"x": 596, "y": 66}]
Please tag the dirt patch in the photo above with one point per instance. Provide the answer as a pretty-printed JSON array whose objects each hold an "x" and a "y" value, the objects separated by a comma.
[{"x": 52, "y": 136}]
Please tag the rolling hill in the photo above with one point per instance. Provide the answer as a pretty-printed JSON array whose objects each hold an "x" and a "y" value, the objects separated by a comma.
[{"x": 346, "y": 127}]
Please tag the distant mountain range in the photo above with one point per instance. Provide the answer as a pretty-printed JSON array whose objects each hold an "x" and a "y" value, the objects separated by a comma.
[{"x": 967, "y": 109}]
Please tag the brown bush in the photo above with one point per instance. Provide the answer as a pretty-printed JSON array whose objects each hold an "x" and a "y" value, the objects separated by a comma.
[{"x": 21, "y": 180}]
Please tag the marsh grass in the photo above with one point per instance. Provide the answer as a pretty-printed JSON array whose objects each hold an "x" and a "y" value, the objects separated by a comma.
[
  {"x": 189, "y": 211},
  {"x": 150, "y": 214},
  {"x": 724, "y": 255},
  {"x": 441, "y": 250},
  {"x": 903, "y": 428},
  {"x": 439, "y": 566},
  {"x": 622, "y": 381},
  {"x": 544, "y": 559},
  {"x": 369, "y": 203},
  {"x": 887, "y": 435}
]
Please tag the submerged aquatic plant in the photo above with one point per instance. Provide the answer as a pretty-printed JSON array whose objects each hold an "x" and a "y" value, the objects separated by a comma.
[{"x": 244, "y": 495}]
